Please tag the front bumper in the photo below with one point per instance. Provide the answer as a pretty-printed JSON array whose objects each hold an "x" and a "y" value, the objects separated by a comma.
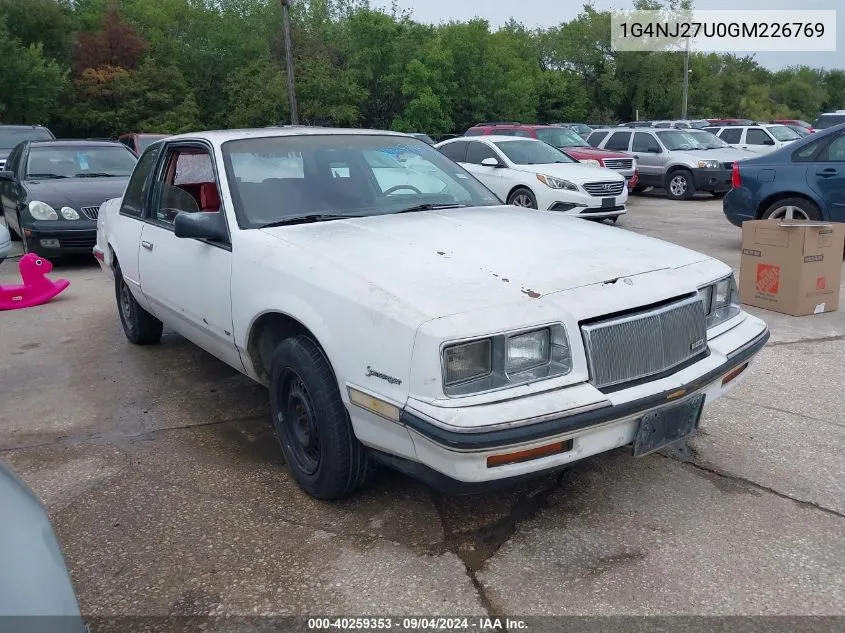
[
  {"x": 712, "y": 179},
  {"x": 452, "y": 456},
  {"x": 61, "y": 237},
  {"x": 587, "y": 205}
]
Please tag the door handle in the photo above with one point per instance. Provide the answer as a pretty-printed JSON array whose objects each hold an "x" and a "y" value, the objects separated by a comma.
[
  {"x": 147, "y": 245},
  {"x": 827, "y": 173}
]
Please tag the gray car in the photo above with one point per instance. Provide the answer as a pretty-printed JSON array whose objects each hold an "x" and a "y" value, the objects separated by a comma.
[
  {"x": 5, "y": 242},
  {"x": 679, "y": 161},
  {"x": 34, "y": 580}
]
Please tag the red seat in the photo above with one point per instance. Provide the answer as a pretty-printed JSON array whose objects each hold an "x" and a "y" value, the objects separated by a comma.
[{"x": 209, "y": 197}]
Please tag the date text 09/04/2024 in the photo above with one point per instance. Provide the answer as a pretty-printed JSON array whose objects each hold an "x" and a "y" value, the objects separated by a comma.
[{"x": 417, "y": 623}]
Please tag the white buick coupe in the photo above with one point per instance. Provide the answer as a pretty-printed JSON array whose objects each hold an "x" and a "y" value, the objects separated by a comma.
[{"x": 400, "y": 313}]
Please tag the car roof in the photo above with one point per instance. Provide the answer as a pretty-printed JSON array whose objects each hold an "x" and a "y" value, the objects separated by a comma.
[
  {"x": 75, "y": 143},
  {"x": 499, "y": 138},
  {"x": 24, "y": 127},
  {"x": 219, "y": 137}
]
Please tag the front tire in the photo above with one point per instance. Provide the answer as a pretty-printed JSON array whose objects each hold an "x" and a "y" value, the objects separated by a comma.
[
  {"x": 680, "y": 185},
  {"x": 523, "y": 197},
  {"x": 312, "y": 423},
  {"x": 139, "y": 326}
]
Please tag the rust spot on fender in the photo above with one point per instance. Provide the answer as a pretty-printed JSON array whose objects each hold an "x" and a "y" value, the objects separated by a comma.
[{"x": 531, "y": 293}]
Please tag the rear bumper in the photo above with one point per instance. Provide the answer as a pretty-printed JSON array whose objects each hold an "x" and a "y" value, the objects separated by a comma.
[
  {"x": 454, "y": 457},
  {"x": 712, "y": 179},
  {"x": 738, "y": 206}
]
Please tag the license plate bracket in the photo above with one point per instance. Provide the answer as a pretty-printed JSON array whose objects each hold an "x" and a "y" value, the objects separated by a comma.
[
  {"x": 660, "y": 428},
  {"x": 608, "y": 202}
]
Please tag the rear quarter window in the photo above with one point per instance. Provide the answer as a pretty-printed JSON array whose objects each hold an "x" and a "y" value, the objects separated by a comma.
[
  {"x": 828, "y": 120},
  {"x": 596, "y": 138}
]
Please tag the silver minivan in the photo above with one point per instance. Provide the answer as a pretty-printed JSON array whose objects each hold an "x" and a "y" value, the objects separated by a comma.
[{"x": 679, "y": 161}]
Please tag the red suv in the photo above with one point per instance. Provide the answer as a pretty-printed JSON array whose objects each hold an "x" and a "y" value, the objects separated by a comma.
[{"x": 569, "y": 142}]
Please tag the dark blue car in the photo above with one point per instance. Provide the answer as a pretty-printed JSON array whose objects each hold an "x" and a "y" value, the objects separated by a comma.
[{"x": 804, "y": 180}]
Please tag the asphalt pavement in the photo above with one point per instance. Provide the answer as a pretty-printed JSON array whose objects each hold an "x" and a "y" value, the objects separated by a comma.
[{"x": 170, "y": 496}]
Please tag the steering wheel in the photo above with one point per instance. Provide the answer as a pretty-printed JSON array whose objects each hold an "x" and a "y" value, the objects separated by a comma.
[{"x": 387, "y": 192}]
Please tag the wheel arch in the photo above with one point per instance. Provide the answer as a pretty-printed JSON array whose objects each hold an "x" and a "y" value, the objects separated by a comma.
[
  {"x": 515, "y": 187},
  {"x": 768, "y": 201},
  {"x": 267, "y": 331}
]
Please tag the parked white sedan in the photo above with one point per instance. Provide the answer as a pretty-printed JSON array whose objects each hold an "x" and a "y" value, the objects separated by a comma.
[
  {"x": 527, "y": 172},
  {"x": 428, "y": 328}
]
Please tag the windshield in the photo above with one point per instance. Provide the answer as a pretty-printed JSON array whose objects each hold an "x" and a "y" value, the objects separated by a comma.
[
  {"x": 525, "y": 152},
  {"x": 277, "y": 178},
  {"x": 9, "y": 137},
  {"x": 80, "y": 161},
  {"x": 145, "y": 140},
  {"x": 561, "y": 137},
  {"x": 679, "y": 140},
  {"x": 707, "y": 140},
  {"x": 782, "y": 133}
]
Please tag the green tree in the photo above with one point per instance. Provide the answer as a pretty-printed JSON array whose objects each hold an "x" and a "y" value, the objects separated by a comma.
[{"x": 50, "y": 23}]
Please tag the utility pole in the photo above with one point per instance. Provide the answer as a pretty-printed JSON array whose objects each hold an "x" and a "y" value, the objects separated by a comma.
[
  {"x": 686, "y": 82},
  {"x": 294, "y": 115}
]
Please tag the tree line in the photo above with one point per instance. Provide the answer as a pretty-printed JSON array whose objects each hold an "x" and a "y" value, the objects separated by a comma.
[{"x": 92, "y": 68}]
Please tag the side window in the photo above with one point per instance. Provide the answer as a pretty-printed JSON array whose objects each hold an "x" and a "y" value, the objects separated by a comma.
[
  {"x": 186, "y": 185},
  {"x": 645, "y": 143},
  {"x": 835, "y": 152},
  {"x": 139, "y": 183},
  {"x": 455, "y": 151},
  {"x": 713, "y": 130},
  {"x": 618, "y": 141},
  {"x": 806, "y": 153},
  {"x": 13, "y": 159},
  {"x": 595, "y": 138},
  {"x": 523, "y": 133},
  {"x": 477, "y": 152},
  {"x": 126, "y": 140},
  {"x": 756, "y": 136},
  {"x": 731, "y": 135},
  {"x": 475, "y": 131}
]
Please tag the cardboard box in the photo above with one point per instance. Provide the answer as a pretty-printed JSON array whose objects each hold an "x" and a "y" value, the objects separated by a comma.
[{"x": 791, "y": 266}]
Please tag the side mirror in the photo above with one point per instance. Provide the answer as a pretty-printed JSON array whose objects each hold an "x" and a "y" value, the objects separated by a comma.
[
  {"x": 490, "y": 162},
  {"x": 201, "y": 225},
  {"x": 7, "y": 176}
]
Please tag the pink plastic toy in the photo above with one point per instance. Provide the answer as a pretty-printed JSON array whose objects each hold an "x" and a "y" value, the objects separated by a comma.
[{"x": 36, "y": 288}]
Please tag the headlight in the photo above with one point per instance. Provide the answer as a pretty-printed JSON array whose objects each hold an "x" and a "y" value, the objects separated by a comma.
[
  {"x": 590, "y": 161},
  {"x": 467, "y": 361},
  {"x": 709, "y": 164},
  {"x": 721, "y": 301},
  {"x": 69, "y": 214},
  {"x": 42, "y": 211},
  {"x": 506, "y": 360},
  {"x": 556, "y": 183}
]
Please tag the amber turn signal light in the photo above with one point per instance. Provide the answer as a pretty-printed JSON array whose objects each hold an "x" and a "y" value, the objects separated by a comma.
[
  {"x": 733, "y": 373},
  {"x": 532, "y": 453}
]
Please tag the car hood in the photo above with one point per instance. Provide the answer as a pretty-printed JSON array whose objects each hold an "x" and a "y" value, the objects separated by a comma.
[
  {"x": 723, "y": 154},
  {"x": 592, "y": 152},
  {"x": 76, "y": 192},
  {"x": 578, "y": 173},
  {"x": 456, "y": 260}
]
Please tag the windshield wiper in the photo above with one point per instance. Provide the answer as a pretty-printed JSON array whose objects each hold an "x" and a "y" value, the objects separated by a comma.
[
  {"x": 428, "y": 206},
  {"x": 305, "y": 219},
  {"x": 96, "y": 174},
  {"x": 44, "y": 176}
]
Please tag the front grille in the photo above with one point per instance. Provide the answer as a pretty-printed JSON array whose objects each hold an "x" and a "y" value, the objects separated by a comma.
[
  {"x": 2, "y": 164},
  {"x": 612, "y": 188},
  {"x": 90, "y": 212},
  {"x": 77, "y": 242},
  {"x": 618, "y": 163},
  {"x": 634, "y": 346},
  {"x": 727, "y": 165}
]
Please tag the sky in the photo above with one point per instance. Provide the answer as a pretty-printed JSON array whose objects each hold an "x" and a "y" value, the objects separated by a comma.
[{"x": 547, "y": 13}]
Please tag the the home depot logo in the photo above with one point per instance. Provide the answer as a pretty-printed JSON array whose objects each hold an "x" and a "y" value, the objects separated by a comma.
[
  {"x": 821, "y": 282},
  {"x": 768, "y": 278}
]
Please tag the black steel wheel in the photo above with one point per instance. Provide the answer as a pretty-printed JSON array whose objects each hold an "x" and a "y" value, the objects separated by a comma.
[
  {"x": 139, "y": 326},
  {"x": 312, "y": 423}
]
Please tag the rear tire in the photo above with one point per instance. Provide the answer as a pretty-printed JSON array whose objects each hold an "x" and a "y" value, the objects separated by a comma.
[
  {"x": 800, "y": 209},
  {"x": 523, "y": 197},
  {"x": 139, "y": 326},
  {"x": 312, "y": 424},
  {"x": 680, "y": 185}
]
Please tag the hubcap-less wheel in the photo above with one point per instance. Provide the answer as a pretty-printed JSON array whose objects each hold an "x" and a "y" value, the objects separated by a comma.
[
  {"x": 789, "y": 212},
  {"x": 299, "y": 424},
  {"x": 125, "y": 303},
  {"x": 522, "y": 200},
  {"x": 678, "y": 186}
]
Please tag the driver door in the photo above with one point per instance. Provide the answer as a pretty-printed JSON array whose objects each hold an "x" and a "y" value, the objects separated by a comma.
[
  {"x": 494, "y": 178},
  {"x": 187, "y": 281}
]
